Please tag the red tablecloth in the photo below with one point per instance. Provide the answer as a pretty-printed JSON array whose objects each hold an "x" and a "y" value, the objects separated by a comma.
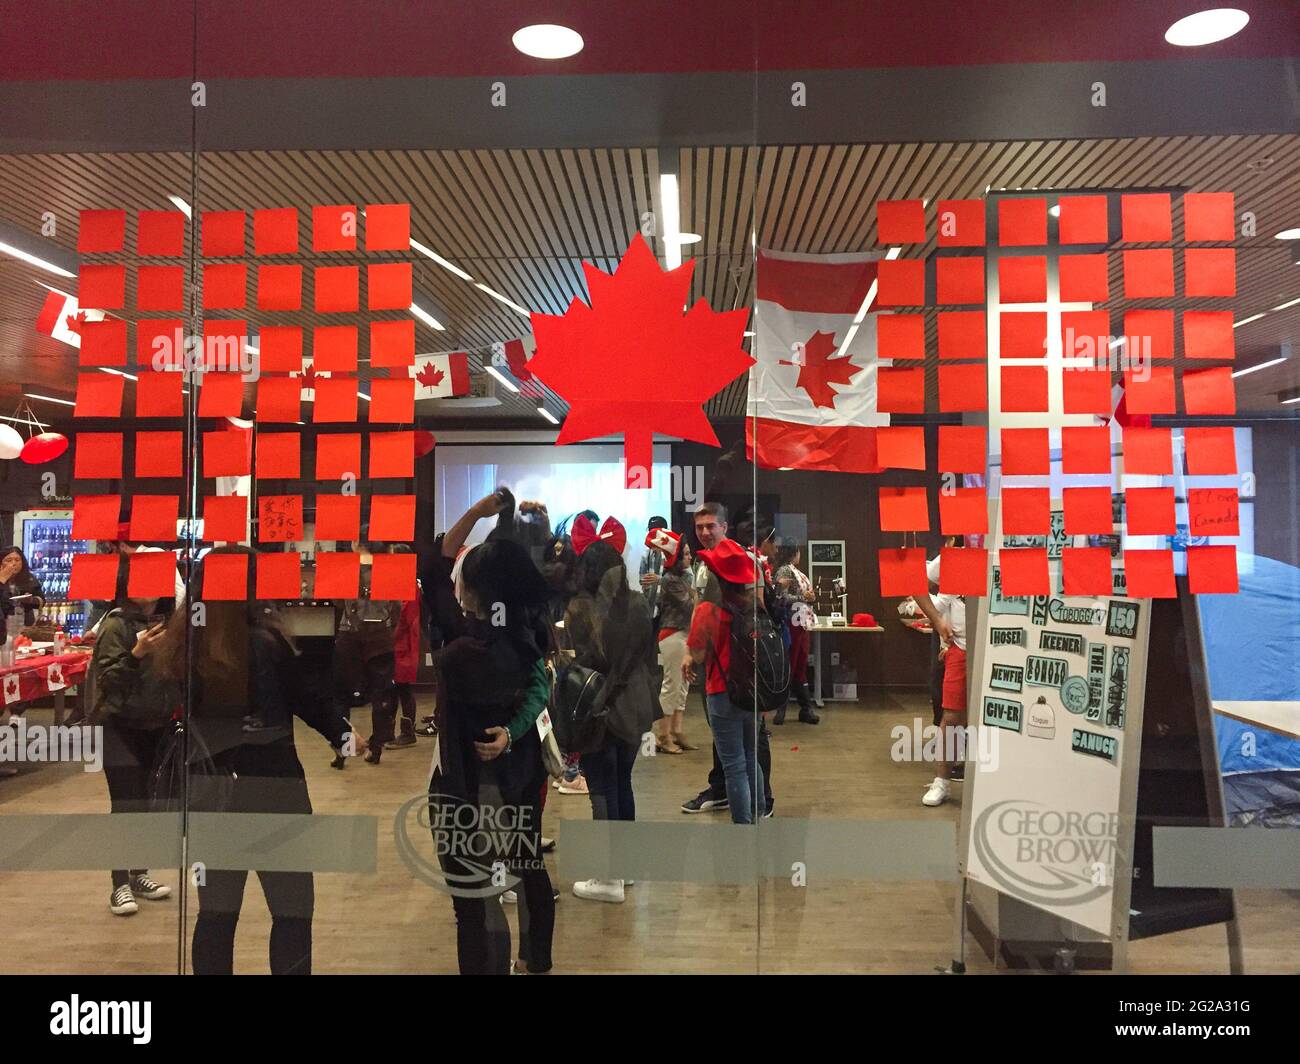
[{"x": 33, "y": 678}]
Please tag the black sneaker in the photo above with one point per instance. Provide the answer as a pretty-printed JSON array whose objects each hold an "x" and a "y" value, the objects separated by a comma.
[
  {"x": 957, "y": 772},
  {"x": 400, "y": 741},
  {"x": 427, "y": 730},
  {"x": 144, "y": 887},
  {"x": 122, "y": 901},
  {"x": 771, "y": 808},
  {"x": 704, "y": 802}
]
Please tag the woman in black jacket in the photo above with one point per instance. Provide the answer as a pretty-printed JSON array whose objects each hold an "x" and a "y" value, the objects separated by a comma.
[{"x": 20, "y": 580}]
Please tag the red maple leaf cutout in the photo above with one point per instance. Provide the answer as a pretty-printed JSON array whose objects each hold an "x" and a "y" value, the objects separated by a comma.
[
  {"x": 633, "y": 362},
  {"x": 818, "y": 371},
  {"x": 430, "y": 375}
]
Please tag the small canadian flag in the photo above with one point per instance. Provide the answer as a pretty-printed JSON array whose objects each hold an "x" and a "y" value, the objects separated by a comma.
[
  {"x": 62, "y": 319},
  {"x": 12, "y": 690},
  {"x": 514, "y": 355},
  {"x": 54, "y": 678},
  {"x": 441, "y": 376}
]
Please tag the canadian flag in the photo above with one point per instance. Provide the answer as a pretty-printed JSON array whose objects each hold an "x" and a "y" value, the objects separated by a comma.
[
  {"x": 812, "y": 390},
  {"x": 54, "y": 678},
  {"x": 514, "y": 355},
  {"x": 13, "y": 692},
  {"x": 441, "y": 376},
  {"x": 61, "y": 318},
  {"x": 308, "y": 377}
]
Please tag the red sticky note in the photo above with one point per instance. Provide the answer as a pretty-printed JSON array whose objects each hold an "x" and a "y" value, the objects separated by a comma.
[
  {"x": 962, "y": 448},
  {"x": 392, "y": 577},
  {"x": 1026, "y": 511},
  {"x": 963, "y": 388},
  {"x": 334, "y": 348},
  {"x": 153, "y": 519},
  {"x": 1145, "y": 218},
  {"x": 99, "y": 395},
  {"x": 963, "y": 512},
  {"x": 159, "y": 395},
  {"x": 963, "y": 571},
  {"x": 225, "y": 577},
  {"x": 153, "y": 574},
  {"x": 1213, "y": 512},
  {"x": 1149, "y": 273},
  {"x": 1086, "y": 571},
  {"x": 392, "y": 402},
  {"x": 160, "y": 288},
  {"x": 392, "y": 343},
  {"x": 226, "y": 453},
  {"x": 223, "y": 234},
  {"x": 1149, "y": 512},
  {"x": 1209, "y": 272},
  {"x": 1026, "y": 452},
  {"x": 161, "y": 233},
  {"x": 103, "y": 343},
  {"x": 1148, "y": 451},
  {"x": 1085, "y": 449},
  {"x": 159, "y": 454},
  {"x": 275, "y": 231},
  {"x": 221, "y": 395},
  {"x": 98, "y": 456},
  {"x": 388, "y": 226},
  {"x": 902, "y": 571},
  {"x": 280, "y": 348},
  {"x": 338, "y": 455},
  {"x": 962, "y": 334},
  {"x": 902, "y": 509},
  {"x": 1087, "y": 511},
  {"x": 1208, "y": 391},
  {"x": 959, "y": 279},
  {"x": 1023, "y": 334},
  {"x": 900, "y": 391},
  {"x": 900, "y": 283},
  {"x": 1149, "y": 334},
  {"x": 96, "y": 516},
  {"x": 224, "y": 343},
  {"x": 279, "y": 576},
  {"x": 225, "y": 286},
  {"x": 1152, "y": 395},
  {"x": 1022, "y": 279},
  {"x": 1022, "y": 223},
  {"x": 279, "y": 455},
  {"x": 392, "y": 454},
  {"x": 101, "y": 287},
  {"x": 1208, "y": 216},
  {"x": 1150, "y": 573},
  {"x": 336, "y": 399},
  {"x": 1210, "y": 451},
  {"x": 338, "y": 517},
  {"x": 279, "y": 518},
  {"x": 1209, "y": 334},
  {"x": 278, "y": 399},
  {"x": 899, "y": 336},
  {"x": 900, "y": 447},
  {"x": 338, "y": 576},
  {"x": 960, "y": 223},
  {"x": 388, "y": 286},
  {"x": 279, "y": 287},
  {"x": 1212, "y": 570},
  {"x": 1086, "y": 391},
  {"x": 392, "y": 518},
  {"x": 1083, "y": 220},
  {"x": 1024, "y": 389},
  {"x": 225, "y": 518},
  {"x": 1024, "y": 572},
  {"x": 336, "y": 289},
  {"x": 101, "y": 231},
  {"x": 159, "y": 343},
  {"x": 1084, "y": 279},
  {"x": 900, "y": 221},
  {"x": 94, "y": 577},
  {"x": 334, "y": 228},
  {"x": 1085, "y": 334}
]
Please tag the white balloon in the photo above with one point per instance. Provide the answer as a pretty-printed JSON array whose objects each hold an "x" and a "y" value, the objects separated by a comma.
[{"x": 11, "y": 444}]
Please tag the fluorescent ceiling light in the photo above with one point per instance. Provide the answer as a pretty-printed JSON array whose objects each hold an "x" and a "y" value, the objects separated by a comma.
[
  {"x": 502, "y": 299},
  {"x": 502, "y": 378},
  {"x": 118, "y": 373},
  {"x": 671, "y": 208},
  {"x": 547, "y": 41},
  {"x": 1288, "y": 303},
  {"x": 1207, "y": 27},
  {"x": 1054, "y": 210},
  {"x": 892, "y": 253},
  {"x": 429, "y": 253},
  {"x": 1295, "y": 400},
  {"x": 1262, "y": 365},
  {"x": 1246, "y": 321},
  {"x": 548, "y": 415},
  {"x": 56, "y": 291},
  {"x": 182, "y": 206},
  {"x": 363, "y": 395},
  {"x": 49, "y": 399},
  {"x": 49, "y": 267},
  {"x": 689, "y": 238},
  {"x": 749, "y": 333},
  {"x": 427, "y": 318},
  {"x": 1289, "y": 234}
]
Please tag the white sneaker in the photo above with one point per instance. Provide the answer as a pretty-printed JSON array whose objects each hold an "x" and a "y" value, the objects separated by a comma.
[
  {"x": 937, "y": 793},
  {"x": 610, "y": 890},
  {"x": 122, "y": 902}
]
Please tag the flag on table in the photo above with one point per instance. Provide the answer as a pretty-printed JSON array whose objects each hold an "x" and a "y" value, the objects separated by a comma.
[
  {"x": 13, "y": 690},
  {"x": 62, "y": 319},
  {"x": 812, "y": 390},
  {"x": 441, "y": 376}
]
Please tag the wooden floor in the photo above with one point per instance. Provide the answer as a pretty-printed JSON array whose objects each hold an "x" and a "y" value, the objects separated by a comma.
[{"x": 391, "y": 922}]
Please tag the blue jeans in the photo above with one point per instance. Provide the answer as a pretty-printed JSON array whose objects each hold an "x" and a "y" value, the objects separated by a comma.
[
  {"x": 735, "y": 736},
  {"x": 609, "y": 780}
]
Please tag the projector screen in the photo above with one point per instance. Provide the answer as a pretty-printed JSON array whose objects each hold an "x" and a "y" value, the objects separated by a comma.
[{"x": 567, "y": 479}]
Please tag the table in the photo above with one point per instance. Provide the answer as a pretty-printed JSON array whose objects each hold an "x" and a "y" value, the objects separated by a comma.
[
  {"x": 33, "y": 678},
  {"x": 817, "y": 631}
]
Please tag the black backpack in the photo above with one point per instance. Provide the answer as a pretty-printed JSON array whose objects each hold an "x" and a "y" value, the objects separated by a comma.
[{"x": 758, "y": 675}]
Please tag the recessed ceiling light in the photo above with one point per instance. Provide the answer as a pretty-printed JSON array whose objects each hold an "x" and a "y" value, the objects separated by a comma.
[
  {"x": 1054, "y": 210},
  {"x": 1289, "y": 234},
  {"x": 546, "y": 41},
  {"x": 1207, "y": 27}
]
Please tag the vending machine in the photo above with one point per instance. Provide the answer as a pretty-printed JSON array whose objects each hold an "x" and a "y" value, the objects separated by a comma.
[{"x": 45, "y": 537}]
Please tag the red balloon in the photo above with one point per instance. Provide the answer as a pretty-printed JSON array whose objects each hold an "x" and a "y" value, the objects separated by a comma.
[
  {"x": 44, "y": 448},
  {"x": 424, "y": 442}
]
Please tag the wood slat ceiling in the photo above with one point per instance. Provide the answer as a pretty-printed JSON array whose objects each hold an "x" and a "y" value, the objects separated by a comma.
[{"x": 523, "y": 221}]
